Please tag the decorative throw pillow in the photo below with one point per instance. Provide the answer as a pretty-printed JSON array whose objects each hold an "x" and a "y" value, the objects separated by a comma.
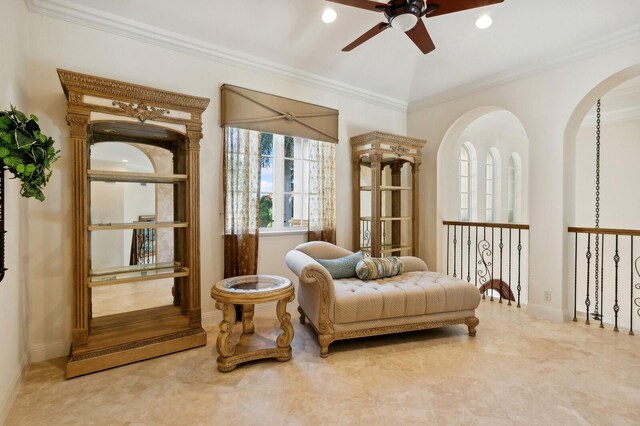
[
  {"x": 342, "y": 267},
  {"x": 372, "y": 268}
]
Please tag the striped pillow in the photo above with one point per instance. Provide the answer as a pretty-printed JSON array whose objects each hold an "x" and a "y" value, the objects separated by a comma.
[{"x": 371, "y": 268}]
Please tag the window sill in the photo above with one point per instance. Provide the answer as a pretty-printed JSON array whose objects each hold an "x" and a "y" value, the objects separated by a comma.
[{"x": 282, "y": 232}]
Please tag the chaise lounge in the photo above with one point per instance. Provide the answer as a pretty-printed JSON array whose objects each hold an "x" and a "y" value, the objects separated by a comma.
[{"x": 347, "y": 308}]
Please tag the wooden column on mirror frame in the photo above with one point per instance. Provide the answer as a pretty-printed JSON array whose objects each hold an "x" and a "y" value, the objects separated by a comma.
[
  {"x": 415, "y": 206},
  {"x": 355, "y": 187},
  {"x": 82, "y": 294},
  {"x": 396, "y": 206},
  {"x": 376, "y": 202}
]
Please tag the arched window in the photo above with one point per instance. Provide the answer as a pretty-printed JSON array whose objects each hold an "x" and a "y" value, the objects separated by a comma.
[
  {"x": 514, "y": 191},
  {"x": 492, "y": 179},
  {"x": 467, "y": 181}
]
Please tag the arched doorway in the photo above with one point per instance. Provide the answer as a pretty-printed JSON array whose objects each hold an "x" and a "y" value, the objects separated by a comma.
[
  {"x": 482, "y": 168},
  {"x": 600, "y": 187}
]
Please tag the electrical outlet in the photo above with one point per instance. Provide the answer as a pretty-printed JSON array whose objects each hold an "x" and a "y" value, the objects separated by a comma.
[{"x": 547, "y": 296}]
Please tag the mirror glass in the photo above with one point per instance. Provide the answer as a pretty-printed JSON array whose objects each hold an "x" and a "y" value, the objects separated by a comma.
[{"x": 114, "y": 208}]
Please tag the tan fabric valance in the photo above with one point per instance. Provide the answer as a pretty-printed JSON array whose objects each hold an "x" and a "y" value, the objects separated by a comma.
[{"x": 248, "y": 109}]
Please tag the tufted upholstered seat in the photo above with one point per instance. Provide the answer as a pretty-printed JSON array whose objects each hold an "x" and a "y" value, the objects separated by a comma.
[
  {"x": 350, "y": 307},
  {"x": 408, "y": 294}
]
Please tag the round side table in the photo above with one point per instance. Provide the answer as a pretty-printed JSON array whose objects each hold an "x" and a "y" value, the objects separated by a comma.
[{"x": 249, "y": 290}]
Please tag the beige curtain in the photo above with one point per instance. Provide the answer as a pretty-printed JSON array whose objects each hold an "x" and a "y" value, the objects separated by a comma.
[
  {"x": 322, "y": 185},
  {"x": 241, "y": 195}
]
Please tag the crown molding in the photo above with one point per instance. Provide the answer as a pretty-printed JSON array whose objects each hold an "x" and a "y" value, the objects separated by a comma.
[
  {"x": 107, "y": 22},
  {"x": 592, "y": 48}
]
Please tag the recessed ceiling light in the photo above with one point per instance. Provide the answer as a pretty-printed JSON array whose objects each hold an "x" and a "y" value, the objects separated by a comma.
[
  {"x": 329, "y": 15},
  {"x": 484, "y": 22},
  {"x": 125, "y": 161}
]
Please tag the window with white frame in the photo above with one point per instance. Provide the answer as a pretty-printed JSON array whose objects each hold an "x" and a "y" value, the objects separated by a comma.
[
  {"x": 514, "y": 188},
  {"x": 284, "y": 182},
  {"x": 466, "y": 174},
  {"x": 490, "y": 188}
]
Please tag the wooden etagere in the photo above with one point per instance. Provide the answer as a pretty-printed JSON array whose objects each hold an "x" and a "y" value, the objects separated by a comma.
[
  {"x": 385, "y": 201},
  {"x": 98, "y": 107}
]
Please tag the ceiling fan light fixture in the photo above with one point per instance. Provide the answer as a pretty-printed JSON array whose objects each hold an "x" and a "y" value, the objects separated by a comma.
[
  {"x": 484, "y": 22},
  {"x": 329, "y": 15},
  {"x": 404, "y": 22}
]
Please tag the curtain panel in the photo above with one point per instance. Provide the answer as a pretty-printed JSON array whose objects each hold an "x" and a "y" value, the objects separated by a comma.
[
  {"x": 322, "y": 187},
  {"x": 241, "y": 195}
]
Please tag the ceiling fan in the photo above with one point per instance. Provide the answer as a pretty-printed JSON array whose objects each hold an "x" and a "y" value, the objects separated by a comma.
[{"x": 405, "y": 15}]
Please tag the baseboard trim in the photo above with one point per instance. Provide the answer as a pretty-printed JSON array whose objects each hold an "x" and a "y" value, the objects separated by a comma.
[
  {"x": 50, "y": 350},
  {"x": 548, "y": 313},
  {"x": 16, "y": 384}
]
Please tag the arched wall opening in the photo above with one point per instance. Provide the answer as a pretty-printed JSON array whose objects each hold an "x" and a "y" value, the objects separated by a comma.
[
  {"x": 618, "y": 207},
  {"x": 490, "y": 132}
]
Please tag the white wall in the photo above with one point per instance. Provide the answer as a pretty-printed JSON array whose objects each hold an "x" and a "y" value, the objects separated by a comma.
[
  {"x": 13, "y": 289},
  {"x": 57, "y": 44},
  {"x": 545, "y": 104}
]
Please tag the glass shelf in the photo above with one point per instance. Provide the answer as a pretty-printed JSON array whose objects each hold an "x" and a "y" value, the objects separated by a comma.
[
  {"x": 112, "y": 176},
  {"x": 136, "y": 225},
  {"x": 387, "y": 188},
  {"x": 387, "y": 218},
  {"x": 135, "y": 273}
]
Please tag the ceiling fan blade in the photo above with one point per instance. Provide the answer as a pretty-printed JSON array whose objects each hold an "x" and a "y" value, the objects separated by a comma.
[
  {"x": 421, "y": 37},
  {"x": 364, "y": 4},
  {"x": 451, "y": 6},
  {"x": 377, "y": 29}
]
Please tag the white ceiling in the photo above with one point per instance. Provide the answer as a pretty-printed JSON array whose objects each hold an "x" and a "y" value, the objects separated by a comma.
[{"x": 526, "y": 34}]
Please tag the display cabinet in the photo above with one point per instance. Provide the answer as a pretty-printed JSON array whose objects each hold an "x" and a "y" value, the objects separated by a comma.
[
  {"x": 386, "y": 177},
  {"x": 136, "y": 268}
]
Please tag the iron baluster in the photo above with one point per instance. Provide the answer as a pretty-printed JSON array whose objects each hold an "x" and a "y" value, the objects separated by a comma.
[
  {"x": 500, "y": 284},
  {"x": 455, "y": 241},
  {"x": 602, "y": 283},
  {"x": 519, "y": 262},
  {"x": 509, "y": 267},
  {"x": 469, "y": 253},
  {"x": 637, "y": 286},
  {"x": 476, "y": 256},
  {"x": 616, "y": 308},
  {"x": 492, "y": 246},
  {"x": 461, "y": 251},
  {"x": 587, "y": 301},
  {"x": 575, "y": 282},
  {"x": 631, "y": 292}
]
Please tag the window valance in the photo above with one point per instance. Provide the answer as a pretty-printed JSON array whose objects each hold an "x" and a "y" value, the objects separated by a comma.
[{"x": 249, "y": 109}]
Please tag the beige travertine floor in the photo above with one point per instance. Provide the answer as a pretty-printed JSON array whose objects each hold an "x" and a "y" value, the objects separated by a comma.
[{"x": 516, "y": 371}]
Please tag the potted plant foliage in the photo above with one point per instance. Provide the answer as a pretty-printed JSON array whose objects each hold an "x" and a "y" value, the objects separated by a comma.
[{"x": 26, "y": 152}]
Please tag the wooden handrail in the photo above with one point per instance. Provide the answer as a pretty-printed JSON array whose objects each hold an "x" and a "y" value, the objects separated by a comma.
[
  {"x": 607, "y": 231},
  {"x": 486, "y": 224}
]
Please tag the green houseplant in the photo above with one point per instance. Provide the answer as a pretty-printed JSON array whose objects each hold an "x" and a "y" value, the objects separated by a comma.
[{"x": 26, "y": 152}]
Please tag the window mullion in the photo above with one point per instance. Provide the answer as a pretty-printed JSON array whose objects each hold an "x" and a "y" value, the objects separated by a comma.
[{"x": 278, "y": 182}]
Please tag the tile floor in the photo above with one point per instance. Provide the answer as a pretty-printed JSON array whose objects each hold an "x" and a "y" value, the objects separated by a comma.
[{"x": 516, "y": 371}]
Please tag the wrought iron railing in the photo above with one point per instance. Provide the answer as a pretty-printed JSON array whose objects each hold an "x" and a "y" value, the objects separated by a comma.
[
  {"x": 2, "y": 230},
  {"x": 605, "y": 269},
  {"x": 493, "y": 256}
]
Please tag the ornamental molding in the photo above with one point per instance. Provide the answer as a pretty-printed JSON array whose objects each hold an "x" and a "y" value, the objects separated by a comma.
[
  {"x": 142, "y": 112},
  {"x": 73, "y": 82},
  {"x": 378, "y": 138}
]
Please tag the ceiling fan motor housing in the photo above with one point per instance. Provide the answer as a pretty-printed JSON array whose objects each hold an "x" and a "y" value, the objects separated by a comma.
[{"x": 404, "y": 15}]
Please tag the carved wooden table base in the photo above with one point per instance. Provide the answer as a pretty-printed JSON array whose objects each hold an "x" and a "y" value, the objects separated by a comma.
[{"x": 237, "y": 291}]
